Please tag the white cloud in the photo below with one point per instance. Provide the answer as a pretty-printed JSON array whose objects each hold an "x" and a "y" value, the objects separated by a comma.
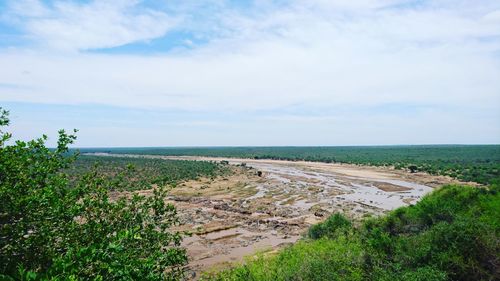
[
  {"x": 28, "y": 8},
  {"x": 308, "y": 55},
  {"x": 265, "y": 75},
  {"x": 493, "y": 17},
  {"x": 98, "y": 24}
]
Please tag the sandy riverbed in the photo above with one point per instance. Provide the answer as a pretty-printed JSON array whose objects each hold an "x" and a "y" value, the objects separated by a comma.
[{"x": 236, "y": 215}]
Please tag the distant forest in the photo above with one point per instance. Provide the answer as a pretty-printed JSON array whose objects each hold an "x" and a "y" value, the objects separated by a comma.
[{"x": 471, "y": 163}]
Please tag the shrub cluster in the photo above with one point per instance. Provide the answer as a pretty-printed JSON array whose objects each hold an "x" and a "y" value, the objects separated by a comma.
[{"x": 329, "y": 227}]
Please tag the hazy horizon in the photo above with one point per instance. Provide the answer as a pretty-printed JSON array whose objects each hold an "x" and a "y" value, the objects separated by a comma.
[{"x": 278, "y": 146}]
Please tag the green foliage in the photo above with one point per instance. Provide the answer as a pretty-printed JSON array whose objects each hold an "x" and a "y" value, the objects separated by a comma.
[
  {"x": 476, "y": 163},
  {"x": 427, "y": 273},
  {"x": 455, "y": 229},
  {"x": 330, "y": 227},
  {"x": 137, "y": 173},
  {"x": 323, "y": 259},
  {"x": 451, "y": 234},
  {"x": 53, "y": 230}
]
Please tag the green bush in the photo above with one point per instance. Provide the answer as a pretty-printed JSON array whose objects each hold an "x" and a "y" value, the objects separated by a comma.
[
  {"x": 330, "y": 227},
  {"x": 323, "y": 259},
  {"x": 427, "y": 273},
  {"x": 53, "y": 230},
  {"x": 454, "y": 230}
]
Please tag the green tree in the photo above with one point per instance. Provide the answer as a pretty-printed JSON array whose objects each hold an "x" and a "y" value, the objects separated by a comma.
[{"x": 53, "y": 230}]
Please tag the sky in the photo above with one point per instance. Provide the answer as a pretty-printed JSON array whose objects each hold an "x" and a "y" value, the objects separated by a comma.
[{"x": 252, "y": 73}]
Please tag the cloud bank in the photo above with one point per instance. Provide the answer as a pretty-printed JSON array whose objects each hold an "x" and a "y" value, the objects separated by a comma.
[{"x": 325, "y": 63}]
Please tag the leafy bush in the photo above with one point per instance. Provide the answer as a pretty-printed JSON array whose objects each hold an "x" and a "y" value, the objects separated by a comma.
[
  {"x": 455, "y": 230},
  {"x": 427, "y": 273},
  {"x": 323, "y": 259},
  {"x": 52, "y": 230},
  {"x": 329, "y": 227}
]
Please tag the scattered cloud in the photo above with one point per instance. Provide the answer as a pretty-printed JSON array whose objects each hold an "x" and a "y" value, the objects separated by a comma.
[
  {"x": 71, "y": 26},
  {"x": 266, "y": 56}
]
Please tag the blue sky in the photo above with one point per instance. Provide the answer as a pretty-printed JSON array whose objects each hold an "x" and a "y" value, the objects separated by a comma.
[{"x": 315, "y": 72}]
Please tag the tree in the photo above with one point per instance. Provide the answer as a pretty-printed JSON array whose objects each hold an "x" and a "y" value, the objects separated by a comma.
[
  {"x": 52, "y": 229},
  {"x": 413, "y": 168}
]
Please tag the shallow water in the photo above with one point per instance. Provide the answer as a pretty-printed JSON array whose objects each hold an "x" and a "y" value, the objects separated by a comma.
[{"x": 296, "y": 179}]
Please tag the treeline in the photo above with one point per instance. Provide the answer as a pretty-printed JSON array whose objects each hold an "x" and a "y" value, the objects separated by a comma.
[
  {"x": 476, "y": 163},
  {"x": 451, "y": 234},
  {"x": 130, "y": 173}
]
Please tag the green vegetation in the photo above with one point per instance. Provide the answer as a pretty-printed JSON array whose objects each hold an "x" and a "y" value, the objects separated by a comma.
[
  {"x": 329, "y": 227},
  {"x": 56, "y": 228},
  {"x": 476, "y": 163},
  {"x": 127, "y": 173},
  {"x": 452, "y": 234}
]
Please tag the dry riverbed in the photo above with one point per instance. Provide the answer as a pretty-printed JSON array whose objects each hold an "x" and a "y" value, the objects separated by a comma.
[{"x": 266, "y": 204}]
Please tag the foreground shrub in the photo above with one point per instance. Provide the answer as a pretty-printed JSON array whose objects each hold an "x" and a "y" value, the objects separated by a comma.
[
  {"x": 427, "y": 273},
  {"x": 330, "y": 227},
  {"x": 51, "y": 230},
  {"x": 454, "y": 230},
  {"x": 323, "y": 259}
]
